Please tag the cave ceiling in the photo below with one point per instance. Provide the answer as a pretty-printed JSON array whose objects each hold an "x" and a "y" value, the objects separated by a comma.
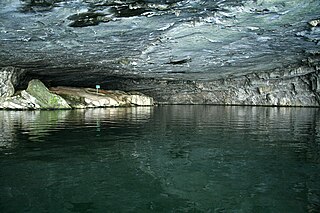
[{"x": 91, "y": 41}]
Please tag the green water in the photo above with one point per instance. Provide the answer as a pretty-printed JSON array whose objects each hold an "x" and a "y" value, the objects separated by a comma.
[{"x": 161, "y": 159}]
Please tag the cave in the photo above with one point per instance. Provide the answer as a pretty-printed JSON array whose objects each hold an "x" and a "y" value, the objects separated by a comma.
[
  {"x": 241, "y": 52},
  {"x": 160, "y": 106}
]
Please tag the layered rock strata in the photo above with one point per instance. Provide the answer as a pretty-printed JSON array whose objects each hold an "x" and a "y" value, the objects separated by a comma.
[
  {"x": 88, "y": 97},
  {"x": 38, "y": 96},
  {"x": 289, "y": 87},
  {"x": 243, "y": 52}
]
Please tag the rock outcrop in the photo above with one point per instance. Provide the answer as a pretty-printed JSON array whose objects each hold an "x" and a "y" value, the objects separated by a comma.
[
  {"x": 38, "y": 96},
  {"x": 42, "y": 98},
  {"x": 10, "y": 77},
  {"x": 88, "y": 98}
]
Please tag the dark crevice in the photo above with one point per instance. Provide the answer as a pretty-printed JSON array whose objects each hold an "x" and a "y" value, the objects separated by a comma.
[
  {"x": 39, "y": 5},
  {"x": 87, "y": 19}
]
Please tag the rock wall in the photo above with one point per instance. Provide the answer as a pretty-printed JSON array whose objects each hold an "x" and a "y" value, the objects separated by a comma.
[
  {"x": 291, "y": 87},
  {"x": 10, "y": 78},
  {"x": 287, "y": 87}
]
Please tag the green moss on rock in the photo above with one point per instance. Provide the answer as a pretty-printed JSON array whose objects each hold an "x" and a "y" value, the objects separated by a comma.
[{"x": 45, "y": 99}]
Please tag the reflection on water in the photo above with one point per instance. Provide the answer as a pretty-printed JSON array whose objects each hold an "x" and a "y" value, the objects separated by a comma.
[
  {"x": 167, "y": 159},
  {"x": 38, "y": 124}
]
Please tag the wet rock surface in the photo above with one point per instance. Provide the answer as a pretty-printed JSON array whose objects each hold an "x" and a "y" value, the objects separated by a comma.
[
  {"x": 38, "y": 96},
  {"x": 89, "y": 98},
  {"x": 139, "y": 44}
]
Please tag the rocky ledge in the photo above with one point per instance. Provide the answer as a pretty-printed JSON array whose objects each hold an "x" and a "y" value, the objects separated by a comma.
[{"x": 38, "y": 96}]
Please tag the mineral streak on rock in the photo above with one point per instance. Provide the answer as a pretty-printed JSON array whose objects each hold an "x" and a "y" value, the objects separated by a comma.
[{"x": 80, "y": 43}]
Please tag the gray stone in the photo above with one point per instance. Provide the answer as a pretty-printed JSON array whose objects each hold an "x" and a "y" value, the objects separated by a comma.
[
  {"x": 17, "y": 103},
  {"x": 9, "y": 78},
  {"x": 32, "y": 101},
  {"x": 295, "y": 87}
]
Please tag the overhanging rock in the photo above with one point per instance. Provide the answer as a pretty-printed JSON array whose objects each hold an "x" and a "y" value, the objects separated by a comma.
[{"x": 81, "y": 43}]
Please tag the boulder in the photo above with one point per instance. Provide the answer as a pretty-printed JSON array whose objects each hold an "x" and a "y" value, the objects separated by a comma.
[
  {"x": 18, "y": 102},
  {"x": 39, "y": 94}
]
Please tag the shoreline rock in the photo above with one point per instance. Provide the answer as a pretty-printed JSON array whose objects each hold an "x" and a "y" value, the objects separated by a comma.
[
  {"x": 9, "y": 78},
  {"x": 38, "y": 96},
  {"x": 89, "y": 98}
]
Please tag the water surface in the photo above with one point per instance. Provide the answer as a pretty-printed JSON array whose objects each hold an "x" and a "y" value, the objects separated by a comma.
[{"x": 161, "y": 159}]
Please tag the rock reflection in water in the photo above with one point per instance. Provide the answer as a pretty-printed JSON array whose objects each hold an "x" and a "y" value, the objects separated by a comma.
[{"x": 38, "y": 124}]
